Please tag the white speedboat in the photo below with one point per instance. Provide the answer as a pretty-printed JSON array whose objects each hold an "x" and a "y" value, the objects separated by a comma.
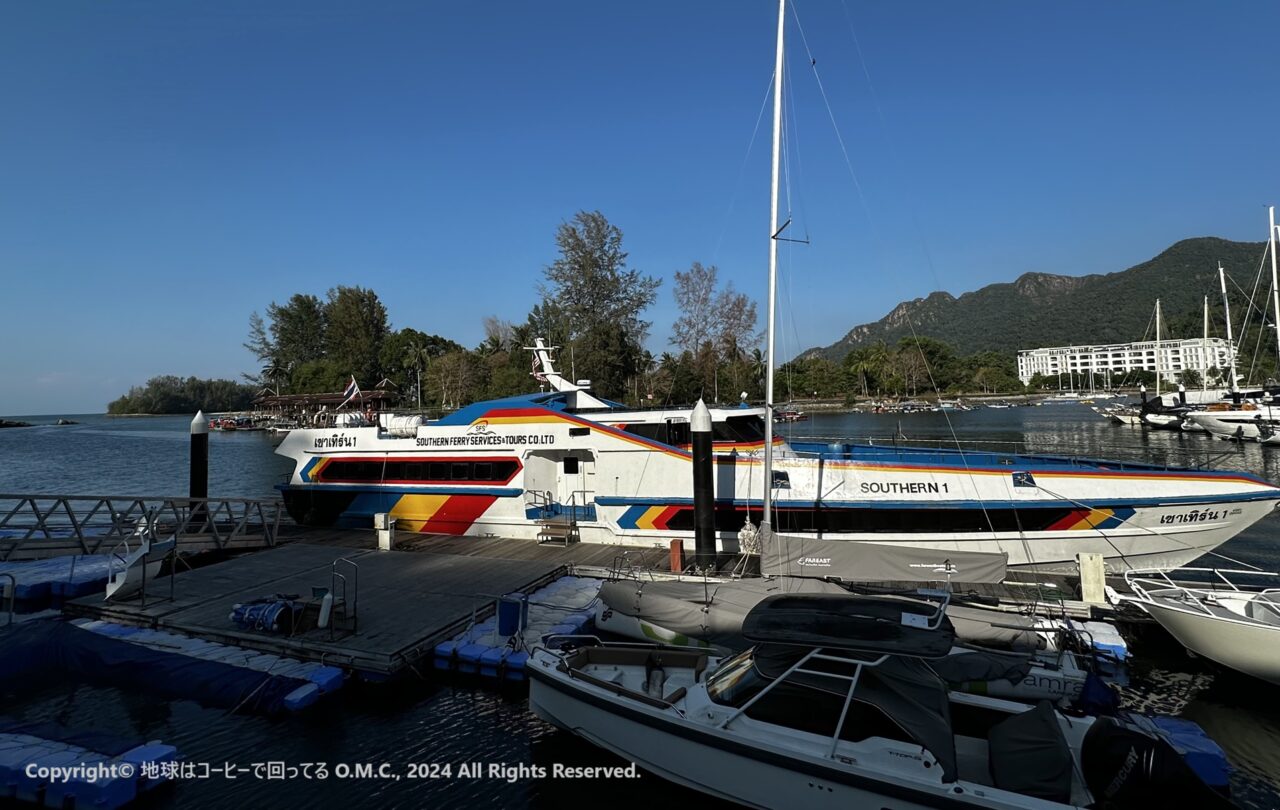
[
  {"x": 1247, "y": 422},
  {"x": 999, "y": 654},
  {"x": 837, "y": 706},
  {"x": 1216, "y": 617}
]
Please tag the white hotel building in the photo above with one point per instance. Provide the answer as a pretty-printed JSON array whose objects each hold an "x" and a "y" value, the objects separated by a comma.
[{"x": 1169, "y": 357}]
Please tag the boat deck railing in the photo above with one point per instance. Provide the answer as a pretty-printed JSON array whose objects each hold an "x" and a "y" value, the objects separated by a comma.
[
  {"x": 1144, "y": 581},
  {"x": 39, "y": 526}
]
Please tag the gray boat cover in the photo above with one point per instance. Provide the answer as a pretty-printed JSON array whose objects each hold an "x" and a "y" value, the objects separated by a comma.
[
  {"x": 905, "y": 689},
  {"x": 1030, "y": 756},
  {"x": 871, "y": 624},
  {"x": 971, "y": 666},
  {"x": 877, "y": 562},
  {"x": 710, "y": 611},
  {"x": 714, "y": 611}
]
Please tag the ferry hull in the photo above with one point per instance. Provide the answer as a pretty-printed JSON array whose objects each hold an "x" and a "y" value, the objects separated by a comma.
[{"x": 1154, "y": 536}]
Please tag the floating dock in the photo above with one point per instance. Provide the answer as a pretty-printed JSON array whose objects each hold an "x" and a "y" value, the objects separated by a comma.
[{"x": 391, "y": 608}]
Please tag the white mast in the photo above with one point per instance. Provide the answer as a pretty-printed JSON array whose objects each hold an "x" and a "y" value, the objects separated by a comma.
[
  {"x": 1204, "y": 349},
  {"x": 1231, "y": 346},
  {"x": 1275, "y": 287},
  {"x": 1158, "y": 347},
  {"x": 766, "y": 517}
]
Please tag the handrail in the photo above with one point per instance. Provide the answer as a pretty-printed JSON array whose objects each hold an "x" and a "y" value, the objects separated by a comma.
[
  {"x": 1143, "y": 580},
  {"x": 352, "y": 605},
  {"x": 34, "y": 526}
]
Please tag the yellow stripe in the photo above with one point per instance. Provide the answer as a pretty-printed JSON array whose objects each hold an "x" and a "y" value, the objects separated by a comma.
[
  {"x": 645, "y": 521},
  {"x": 413, "y": 511}
]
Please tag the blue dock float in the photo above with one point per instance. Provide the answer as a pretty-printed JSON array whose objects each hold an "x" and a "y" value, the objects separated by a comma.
[
  {"x": 315, "y": 680},
  {"x": 49, "y": 582},
  {"x": 497, "y": 649},
  {"x": 164, "y": 664},
  {"x": 99, "y": 771}
]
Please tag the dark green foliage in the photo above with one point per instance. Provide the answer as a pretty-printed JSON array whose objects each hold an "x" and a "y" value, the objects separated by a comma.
[
  {"x": 170, "y": 394},
  {"x": 1040, "y": 309},
  {"x": 596, "y": 302}
]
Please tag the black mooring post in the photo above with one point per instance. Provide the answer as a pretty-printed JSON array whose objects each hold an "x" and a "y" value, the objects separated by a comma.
[
  {"x": 199, "y": 488},
  {"x": 704, "y": 496}
]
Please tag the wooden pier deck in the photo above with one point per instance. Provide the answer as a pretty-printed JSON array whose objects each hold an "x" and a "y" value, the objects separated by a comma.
[{"x": 405, "y": 602}]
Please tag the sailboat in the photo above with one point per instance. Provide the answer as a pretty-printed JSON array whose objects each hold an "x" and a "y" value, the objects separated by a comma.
[{"x": 1253, "y": 418}]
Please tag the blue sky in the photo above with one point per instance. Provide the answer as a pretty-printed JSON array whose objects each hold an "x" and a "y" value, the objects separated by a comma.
[{"x": 168, "y": 168}]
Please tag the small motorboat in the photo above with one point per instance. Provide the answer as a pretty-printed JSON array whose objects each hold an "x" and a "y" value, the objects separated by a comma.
[
  {"x": 837, "y": 705},
  {"x": 1215, "y": 615}
]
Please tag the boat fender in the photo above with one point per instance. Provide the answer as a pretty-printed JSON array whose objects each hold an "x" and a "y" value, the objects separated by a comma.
[
  {"x": 654, "y": 684},
  {"x": 326, "y": 610}
]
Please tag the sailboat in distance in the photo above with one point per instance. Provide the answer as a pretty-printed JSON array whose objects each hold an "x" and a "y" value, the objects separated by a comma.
[{"x": 605, "y": 472}]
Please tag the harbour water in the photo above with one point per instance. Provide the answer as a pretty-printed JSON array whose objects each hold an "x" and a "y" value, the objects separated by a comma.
[{"x": 427, "y": 722}]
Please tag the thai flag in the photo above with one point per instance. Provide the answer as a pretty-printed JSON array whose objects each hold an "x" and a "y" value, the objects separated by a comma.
[{"x": 351, "y": 391}]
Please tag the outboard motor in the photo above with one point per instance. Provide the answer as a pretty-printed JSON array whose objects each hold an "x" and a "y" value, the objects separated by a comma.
[{"x": 1125, "y": 767}]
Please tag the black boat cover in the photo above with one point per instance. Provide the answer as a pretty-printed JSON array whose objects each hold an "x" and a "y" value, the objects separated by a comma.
[{"x": 873, "y": 624}]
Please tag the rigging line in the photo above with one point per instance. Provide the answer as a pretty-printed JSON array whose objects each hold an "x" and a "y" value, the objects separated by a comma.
[
  {"x": 1136, "y": 526},
  {"x": 742, "y": 170},
  {"x": 884, "y": 127},
  {"x": 794, "y": 128},
  {"x": 844, "y": 150},
  {"x": 950, "y": 427}
]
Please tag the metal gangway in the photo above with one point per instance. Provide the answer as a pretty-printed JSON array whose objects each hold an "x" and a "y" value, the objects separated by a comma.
[{"x": 38, "y": 526}]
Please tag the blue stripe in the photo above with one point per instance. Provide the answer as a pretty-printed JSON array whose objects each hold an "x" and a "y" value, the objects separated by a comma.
[
  {"x": 969, "y": 504},
  {"x": 388, "y": 489}
]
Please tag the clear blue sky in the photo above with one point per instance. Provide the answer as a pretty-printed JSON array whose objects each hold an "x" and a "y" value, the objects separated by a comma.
[{"x": 166, "y": 168}]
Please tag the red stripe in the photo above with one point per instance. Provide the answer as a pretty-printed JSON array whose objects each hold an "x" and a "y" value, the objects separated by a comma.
[
  {"x": 457, "y": 514},
  {"x": 664, "y": 517},
  {"x": 1070, "y": 520}
]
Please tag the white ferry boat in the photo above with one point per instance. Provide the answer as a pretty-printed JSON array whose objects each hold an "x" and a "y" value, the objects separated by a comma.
[{"x": 622, "y": 475}]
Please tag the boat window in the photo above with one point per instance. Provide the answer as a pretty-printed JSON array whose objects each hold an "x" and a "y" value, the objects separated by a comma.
[
  {"x": 392, "y": 471},
  {"x": 678, "y": 433},
  {"x": 482, "y": 471},
  {"x": 736, "y": 681},
  {"x": 648, "y": 430},
  {"x": 741, "y": 429},
  {"x": 460, "y": 471},
  {"x": 812, "y": 706},
  {"x": 781, "y": 480},
  {"x": 439, "y": 471},
  {"x": 412, "y": 472},
  {"x": 571, "y": 465}
]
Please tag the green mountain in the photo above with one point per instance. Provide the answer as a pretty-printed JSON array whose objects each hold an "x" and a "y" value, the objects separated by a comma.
[{"x": 1041, "y": 309}]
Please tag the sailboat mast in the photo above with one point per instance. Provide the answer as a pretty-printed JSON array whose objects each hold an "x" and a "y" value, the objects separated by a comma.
[
  {"x": 1275, "y": 287},
  {"x": 1231, "y": 346},
  {"x": 766, "y": 517},
  {"x": 1158, "y": 347},
  {"x": 1204, "y": 349}
]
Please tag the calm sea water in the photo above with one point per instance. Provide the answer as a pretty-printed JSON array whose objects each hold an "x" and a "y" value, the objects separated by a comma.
[{"x": 434, "y": 722}]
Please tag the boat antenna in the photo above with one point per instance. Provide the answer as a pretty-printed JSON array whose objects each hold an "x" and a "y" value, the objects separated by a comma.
[{"x": 766, "y": 517}]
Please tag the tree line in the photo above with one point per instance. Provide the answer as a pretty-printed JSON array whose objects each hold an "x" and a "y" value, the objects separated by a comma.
[
  {"x": 170, "y": 394},
  {"x": 592, "y": 305}
]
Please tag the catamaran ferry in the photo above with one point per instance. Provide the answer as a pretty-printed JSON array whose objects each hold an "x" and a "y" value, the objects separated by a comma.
[{"x": 621, "y": 475}]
